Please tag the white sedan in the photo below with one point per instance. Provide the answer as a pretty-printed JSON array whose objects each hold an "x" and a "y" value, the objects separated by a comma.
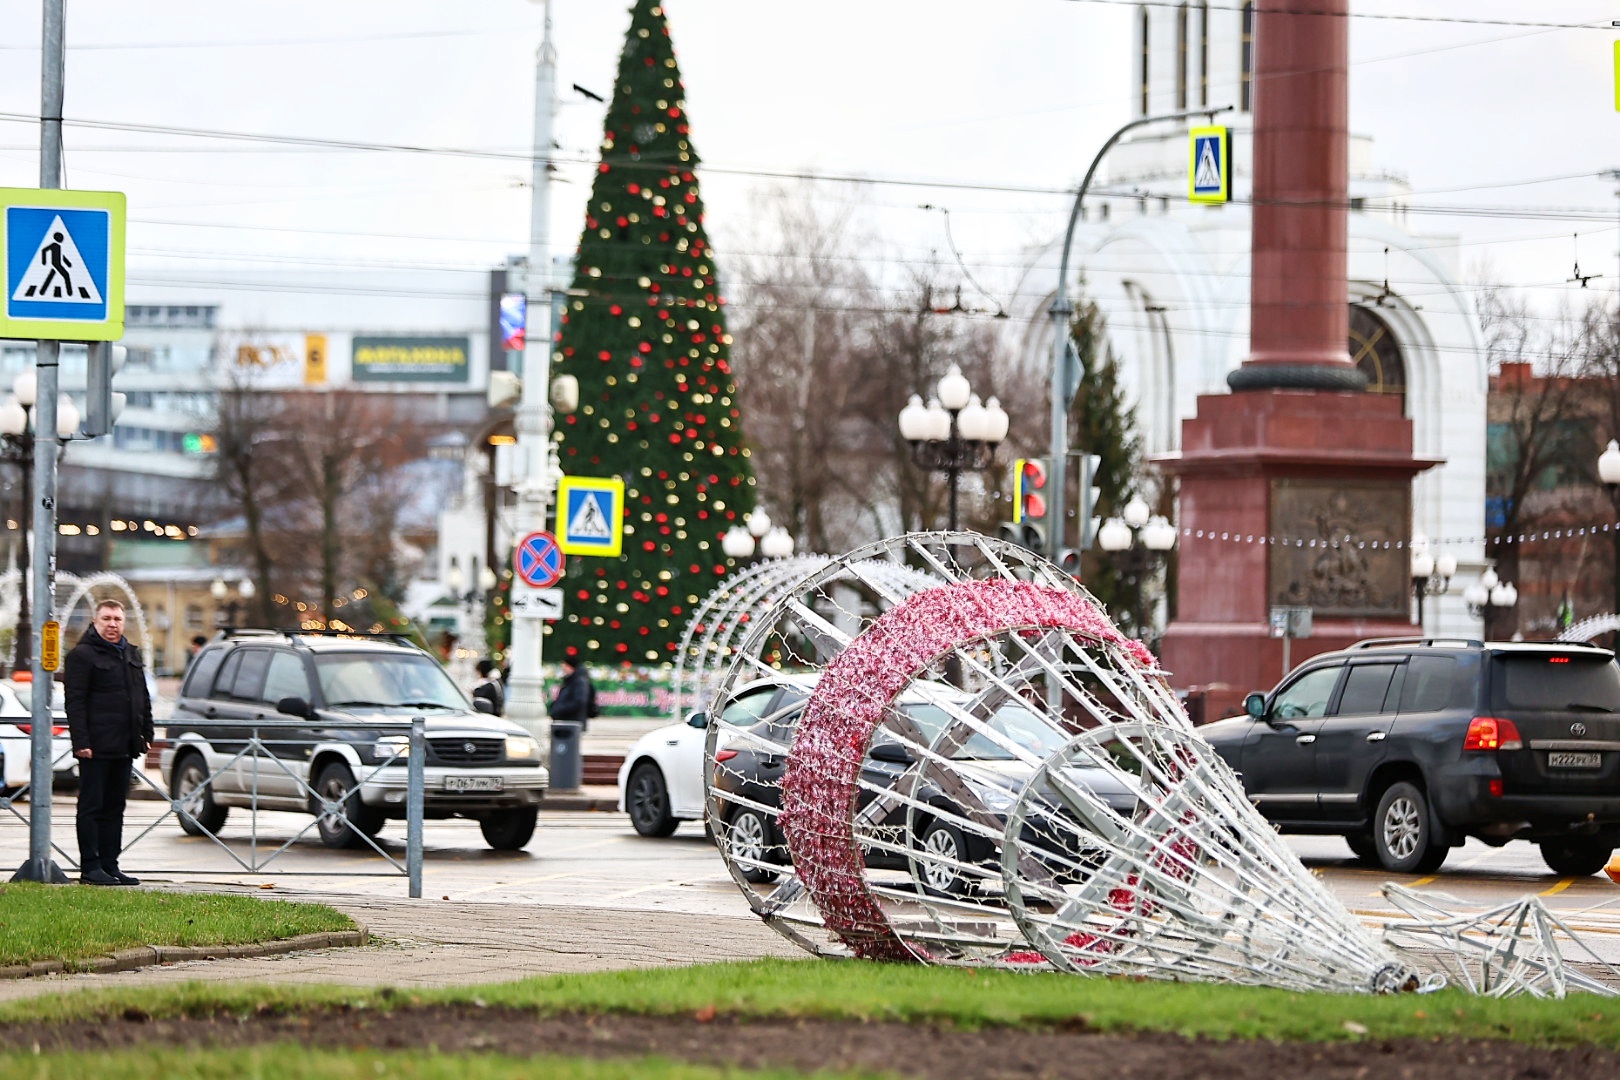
[
  {"x": 16, "y": 748},
  {"x": 661, "y": 780}
]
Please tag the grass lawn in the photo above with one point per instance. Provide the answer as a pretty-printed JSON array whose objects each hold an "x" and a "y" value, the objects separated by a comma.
[
  {"x": 963, "y": 997},
  {"x": 76, "y": 922}
]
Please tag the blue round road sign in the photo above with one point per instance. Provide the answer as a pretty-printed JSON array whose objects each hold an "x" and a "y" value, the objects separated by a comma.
[{"x": 538, "y": 560}]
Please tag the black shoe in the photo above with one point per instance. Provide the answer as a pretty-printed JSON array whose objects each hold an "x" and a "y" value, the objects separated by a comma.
[
  {"x": 123, "y": 878},
  {"x": 97, "y": 876}
]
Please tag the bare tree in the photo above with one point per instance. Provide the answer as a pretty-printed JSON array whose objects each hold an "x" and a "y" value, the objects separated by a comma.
[{"x": 246, "y": 422}]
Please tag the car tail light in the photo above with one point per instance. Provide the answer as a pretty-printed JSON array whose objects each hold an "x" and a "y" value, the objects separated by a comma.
[
  {"x": 1496, "y": 788},
  {"x": 724, "y": 755},
  {"x": 56, "y": 729},
  {"x": 1492, "y": 733}
]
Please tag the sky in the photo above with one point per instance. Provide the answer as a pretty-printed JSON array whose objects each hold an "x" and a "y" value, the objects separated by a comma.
[{"x": 1501, "y": 115}]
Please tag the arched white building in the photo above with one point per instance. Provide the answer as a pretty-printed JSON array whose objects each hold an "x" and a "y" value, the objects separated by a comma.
[{"x": 1172, "y": 280}]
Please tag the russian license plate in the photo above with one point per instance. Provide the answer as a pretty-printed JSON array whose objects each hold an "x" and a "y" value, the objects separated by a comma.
[
  {"x": 1561, "y": 759},
  {"x": 474, "y": 783}
]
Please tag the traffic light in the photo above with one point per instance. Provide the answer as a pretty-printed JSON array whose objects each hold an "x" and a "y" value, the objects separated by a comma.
[
  {"x": 1028, "y": 526},
  {"x": 1090, "y": 466},
  {"x": 101, "y": 404}
]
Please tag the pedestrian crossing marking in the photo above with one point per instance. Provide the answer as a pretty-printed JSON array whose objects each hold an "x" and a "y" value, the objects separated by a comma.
[{"x": 57, "y": 270}]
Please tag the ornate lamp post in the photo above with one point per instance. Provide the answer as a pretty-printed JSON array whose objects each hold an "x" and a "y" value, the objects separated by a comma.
[
  {"x": 1431, "y": 574},
  {"x": 226, "y": 614},
  {"x": 1487, "y": 593},
  {"x": 740, "y": 543},
  {"x": 1608, "y": 464},
  {"x": 17, "y": 448},
  {"x": 1136, "y": 541},
  {"x": 954, "y": 431}
]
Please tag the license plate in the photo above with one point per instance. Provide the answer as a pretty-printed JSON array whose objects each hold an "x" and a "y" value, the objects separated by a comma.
[
  {"x": 1557, "y": 759},
  {"x": 474, "y": 783}
]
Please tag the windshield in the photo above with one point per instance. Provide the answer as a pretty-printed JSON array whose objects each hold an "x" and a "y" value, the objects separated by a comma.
[
  {"x": 1558, "y": 681},
  {"x": 378, "y": 680},
  {"x": 1014, "y": 721}
]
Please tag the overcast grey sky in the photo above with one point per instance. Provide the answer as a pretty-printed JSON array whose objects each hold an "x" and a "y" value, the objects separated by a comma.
[{"x": 1510, "y": 123}]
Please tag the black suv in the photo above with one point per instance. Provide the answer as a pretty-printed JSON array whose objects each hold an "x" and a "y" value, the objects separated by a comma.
[
  {"x": 1406, "y": 747},
  {"x": 336, "y": 689}
]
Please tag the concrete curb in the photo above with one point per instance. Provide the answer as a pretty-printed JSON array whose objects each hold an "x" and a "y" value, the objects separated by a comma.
[{"x": 152, "y": 955}]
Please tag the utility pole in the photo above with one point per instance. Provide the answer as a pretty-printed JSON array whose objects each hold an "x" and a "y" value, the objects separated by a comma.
[
  {"x": 535, "y": 464},
  {"x": 40, "y": 867}
]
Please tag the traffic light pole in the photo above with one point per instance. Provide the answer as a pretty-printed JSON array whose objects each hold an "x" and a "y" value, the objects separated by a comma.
[
  {"x": 40, "y": 867},
  {"x": 1065, "y": 366}
]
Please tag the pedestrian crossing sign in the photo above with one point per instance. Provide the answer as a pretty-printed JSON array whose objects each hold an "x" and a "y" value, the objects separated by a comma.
[
  {"x": 1209, "y": 176},
  {"x": 590, "y": 515},
  {"x": 63, "y": 256}
]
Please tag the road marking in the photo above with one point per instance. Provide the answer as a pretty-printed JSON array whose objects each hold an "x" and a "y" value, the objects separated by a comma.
[
  {"x": 674, "y": 883},
  {"x": 519, "y": 884},
  {"x": 1558, "y": 888}
]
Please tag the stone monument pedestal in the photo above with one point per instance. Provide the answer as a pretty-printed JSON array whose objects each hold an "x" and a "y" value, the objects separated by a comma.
[{"x": 1288, "y": 498}]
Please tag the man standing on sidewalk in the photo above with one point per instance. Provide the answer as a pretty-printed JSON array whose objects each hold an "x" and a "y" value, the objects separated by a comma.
[{"x": 110, "y": 720}]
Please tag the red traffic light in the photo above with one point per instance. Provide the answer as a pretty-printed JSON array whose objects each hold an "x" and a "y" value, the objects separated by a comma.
[{"x": 1029, "y": 483}]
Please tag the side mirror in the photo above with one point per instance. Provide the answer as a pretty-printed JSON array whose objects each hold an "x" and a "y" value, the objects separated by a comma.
[
  {"x": 294, "y": 706},
  {"x": 698, "y": 719},
  {"x": 483, "y": 705},
  {"x": 1255, "y": 705},
  {"x": 893, "y": 753}
]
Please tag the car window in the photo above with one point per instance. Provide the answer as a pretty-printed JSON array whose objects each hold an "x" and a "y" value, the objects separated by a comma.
[
  {"x": 248, "y": 680},
  {"x": 1013, "y": 721},
  {"x": 1366, "y": 690},
  {"x": 200, "y": 679},
  {"x": 285, "y": 678},
  {"x": 746, "y": 710},
  {"x": 1556, "y": 681},
  {"x": 386, "y": 680},
  {"x": 1429, "y": 681},
  {"x": 1306, "y": 696},
  {"x": 221, "y": 686}
]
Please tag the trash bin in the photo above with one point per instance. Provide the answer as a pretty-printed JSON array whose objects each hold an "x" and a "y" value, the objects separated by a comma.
[{"x": 567, "y": 767}]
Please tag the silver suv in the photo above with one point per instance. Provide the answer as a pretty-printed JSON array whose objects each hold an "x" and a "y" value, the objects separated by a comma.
[{"x": 314, "y": 701}]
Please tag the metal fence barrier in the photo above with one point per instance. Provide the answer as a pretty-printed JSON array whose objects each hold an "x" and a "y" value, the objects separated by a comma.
[{"x": 265, "y": 768}]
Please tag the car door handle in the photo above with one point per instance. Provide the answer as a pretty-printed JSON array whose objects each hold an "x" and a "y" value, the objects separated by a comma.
[
  {"x": 1377, "y": 736},
  {"x": 1304, "y": 740}
]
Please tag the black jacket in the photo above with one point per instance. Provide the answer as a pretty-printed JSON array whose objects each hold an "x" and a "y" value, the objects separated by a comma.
[
  {"x": 108, "y": 708},
  {"x": 576, "y": 698}
]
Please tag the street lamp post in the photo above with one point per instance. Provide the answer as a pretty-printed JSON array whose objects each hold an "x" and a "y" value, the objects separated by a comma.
[
  {"x": 1609, "y": 472},
  {"x": 226, "y": 614},
  {"x": 954, "y": 431},
  {"x": 17, "y": 448},
  {"x": 1136, "y": 541},
  {"x": 1489, "y": 592},
  {"x": 1431, "y": 574},
  {"x": 740, "y": 542}
]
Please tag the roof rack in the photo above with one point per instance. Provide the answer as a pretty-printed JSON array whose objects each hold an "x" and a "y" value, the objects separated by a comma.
[
  {"x": 1373, "y": 643},
  {"x": 298, "y": 631}
]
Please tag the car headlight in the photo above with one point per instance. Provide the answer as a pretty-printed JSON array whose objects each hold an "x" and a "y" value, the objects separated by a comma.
[
  {"x": 997, "y": 800},
  {"x": 522, "y": 746},
  {"x": 391, "y": 748}
]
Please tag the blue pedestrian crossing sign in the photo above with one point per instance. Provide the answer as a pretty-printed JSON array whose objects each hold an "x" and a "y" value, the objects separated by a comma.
[
  {"x": 63, "y": 255},
  {"x": 1209, "y": 176},
  {"x": 590, "y": 515}
]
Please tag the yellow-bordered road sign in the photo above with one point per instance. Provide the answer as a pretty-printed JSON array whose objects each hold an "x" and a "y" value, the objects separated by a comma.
[
  {"x": 590, "y": 515},
  {"x": 1209, "y": 172},
  {"x": 63, "y": 255}
]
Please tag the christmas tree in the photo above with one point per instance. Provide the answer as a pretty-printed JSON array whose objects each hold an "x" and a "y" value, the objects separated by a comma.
[{"x": 645, "y": 335}]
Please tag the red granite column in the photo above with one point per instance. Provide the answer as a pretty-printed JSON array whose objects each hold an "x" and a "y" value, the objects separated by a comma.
[{"x": 1299, "y": 318}]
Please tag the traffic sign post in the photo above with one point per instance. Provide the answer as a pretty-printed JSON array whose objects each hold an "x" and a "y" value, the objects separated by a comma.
[{"x": 63, "y": 254}]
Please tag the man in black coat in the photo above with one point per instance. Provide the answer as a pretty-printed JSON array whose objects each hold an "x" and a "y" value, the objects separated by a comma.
[
  {"x": 576, "y": 697},
  {"x": 110, "y": 720}
]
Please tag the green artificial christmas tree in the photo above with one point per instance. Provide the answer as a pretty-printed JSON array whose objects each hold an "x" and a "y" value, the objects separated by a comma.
[{"x": 645, "y": 335}]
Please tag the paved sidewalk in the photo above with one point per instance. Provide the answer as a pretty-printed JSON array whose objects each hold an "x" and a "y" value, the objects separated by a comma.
[{"x": 428, "y": 943}]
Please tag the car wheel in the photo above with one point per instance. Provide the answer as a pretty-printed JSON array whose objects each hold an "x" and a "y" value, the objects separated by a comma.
[
  {"x": 1576, "y": 856},
  {"x": 1363, "y": 848},
  {"x": 939, "y": 866},
  {"x": 646, "y": 797},
  {"x": 748, "y": 843},
  {"x": 1403, "y": 835},
  {"x": 199, "y": 814},
  {"x": 333, "y": 783},
  {"x": 509, "y": 830}
]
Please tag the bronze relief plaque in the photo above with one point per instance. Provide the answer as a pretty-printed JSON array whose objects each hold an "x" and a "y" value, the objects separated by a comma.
[{"x": 1339, "y": 547}]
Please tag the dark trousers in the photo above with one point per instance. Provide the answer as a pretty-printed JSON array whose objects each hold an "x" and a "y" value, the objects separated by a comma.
[{"x": 103, "y": 790}]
